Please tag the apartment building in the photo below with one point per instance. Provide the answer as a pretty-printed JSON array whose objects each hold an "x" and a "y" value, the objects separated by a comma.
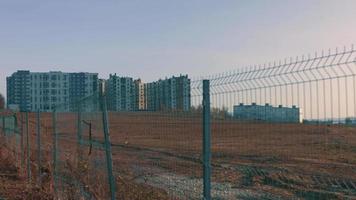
[
  {"x": 268, "y": 113},
  {"x": 151, "y": 96},
  {"x": 139, "y": 95},
  {"x": 126, "y": 94},
  {"x": 33, "y": 91},
  {"x": 168, "y": 94},
  {"x": 120, "y": 93},
  {"x": 18, "y": 90}
]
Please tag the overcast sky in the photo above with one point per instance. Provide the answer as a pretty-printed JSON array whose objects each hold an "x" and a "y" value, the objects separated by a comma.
[{"x": 153, "y": 39}]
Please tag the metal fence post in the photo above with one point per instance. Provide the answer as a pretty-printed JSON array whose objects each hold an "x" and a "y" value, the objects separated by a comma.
[
  {"x": 206, "y": 141},
  {"x": 22, "y": 145},
  {"x": 39, "y": 146},
  {"x": 15, "y": 134},
  {"x": 28, "y": 150},
  {"x": 54, "y": 120},
  {"x": 79, "y": 133},
  {"x": 109, "y": 165},
  {"x": 3, "y": 125},
  {"x": 79, "y": 124}
]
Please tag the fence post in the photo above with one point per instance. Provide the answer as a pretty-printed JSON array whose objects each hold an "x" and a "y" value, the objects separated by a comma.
[
  {"x": 3, "y": 125},
  {"x": 109, "y": 165},
  {"x": 79, "y": 133},
  {"x": 54, "y": 120},
  {"x": 39, "y": 146},
  {"x": 15, "y": 131},
  {"x": 206, "y": 141},
  {"x": 79, "y": 124},
  {"x": 28, "y": 150},
  {"x": 22, "y": 146}
]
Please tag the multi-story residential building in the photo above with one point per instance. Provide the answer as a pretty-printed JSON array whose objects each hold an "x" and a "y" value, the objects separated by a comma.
[
  {"x": 33, "y": 91},
  {"x": 102, "y": 85},
  {"x": 120, "y": 93},
  {"x": 267, "y": 113},
  {"x": 151, "y": 96},
  {"x": 82, "y": 85},
  {"x": 139, "y": 96},
  {"x": 126, "y": 94},
  {"x": 18, "y": 90},
  {"x": 168, "y": 94}
]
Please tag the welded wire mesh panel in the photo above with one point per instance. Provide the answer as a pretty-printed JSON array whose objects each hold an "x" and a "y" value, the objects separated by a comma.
[
  {"x": 44, "y": 149},
  {"x": 157, "y": 151},
  {"x": 12, "y": 136},
  {"x": 80, "y": 158},
  {"x": 286, "y": 130},
  {"x": 34, "y": 149}
]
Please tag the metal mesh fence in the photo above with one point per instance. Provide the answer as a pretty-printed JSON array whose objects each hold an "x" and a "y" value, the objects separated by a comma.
[
  {"x": 65, "y": 154},
  {"x": 278, "y": 131},
  {"x": 12, "y": 136},
  {"x": 287, "y": 130},
  {"x": 157, "y": 154},
  {"x": 81, "y": 150},
  {"x": 28, "y": 143}
]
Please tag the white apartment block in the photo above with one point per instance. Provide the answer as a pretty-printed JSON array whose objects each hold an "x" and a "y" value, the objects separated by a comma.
[{"x": 44, "y": 91}]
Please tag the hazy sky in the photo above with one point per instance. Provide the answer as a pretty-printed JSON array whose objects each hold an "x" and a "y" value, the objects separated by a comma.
[{"x": 152, "y": 39}]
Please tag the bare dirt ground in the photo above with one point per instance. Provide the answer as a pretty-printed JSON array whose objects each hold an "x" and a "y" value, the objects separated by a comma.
[
  {"x": 159, "y": 156},
  {"x": 250, "y": 160}
]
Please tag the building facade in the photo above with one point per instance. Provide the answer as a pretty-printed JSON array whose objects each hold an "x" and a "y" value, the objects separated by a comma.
[
  {"x": 42, "y": 91},
  {"x": 168, "y": 94},
  {"x": 120, "y": 93},
  {"x": 267, "y": 113},
  {"x": 139, "y": 95},
  {"x": 18, "y": 90},
  {"x": 126, "y": 94},
  {"x": 151, "y": 96}
]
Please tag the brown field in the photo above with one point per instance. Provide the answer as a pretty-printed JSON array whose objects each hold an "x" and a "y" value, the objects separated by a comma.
[
  {"x": 253, "y": 159},
  {"x": 158, "y": 156}
]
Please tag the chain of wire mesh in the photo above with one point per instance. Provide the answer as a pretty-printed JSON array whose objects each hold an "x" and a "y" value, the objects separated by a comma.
[{"x": 67, "y": 153}]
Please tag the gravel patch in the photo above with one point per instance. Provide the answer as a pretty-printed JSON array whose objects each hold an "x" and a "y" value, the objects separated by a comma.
[{"x": 183, "y": 187}]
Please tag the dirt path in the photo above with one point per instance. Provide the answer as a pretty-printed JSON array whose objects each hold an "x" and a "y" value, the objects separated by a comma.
[{"x": 231, "y": 181}]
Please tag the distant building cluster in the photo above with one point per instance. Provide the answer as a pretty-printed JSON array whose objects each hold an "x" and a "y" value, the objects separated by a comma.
[
  {"x": 43, "y": 91},
  {"x": 32, "y": 91},
  {"x": 126, "y": 94},
  {"x": 350, "y": 120},
  {"x": 267, "y": 113}
]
